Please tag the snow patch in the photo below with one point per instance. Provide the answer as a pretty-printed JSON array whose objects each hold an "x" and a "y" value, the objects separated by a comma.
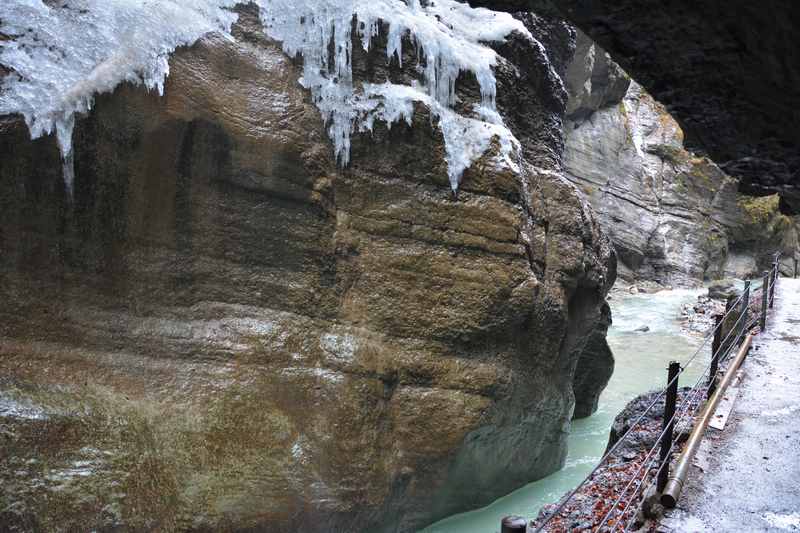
[
  {"x": 339, "y": 347},
  {"x": 786, "y": 411},
  {"x": 789, "y": 522},
  {"x": 10, "y": 408}
]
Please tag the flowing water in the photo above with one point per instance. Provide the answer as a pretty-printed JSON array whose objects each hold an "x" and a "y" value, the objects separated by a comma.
[{"x": 641, "y": 366}]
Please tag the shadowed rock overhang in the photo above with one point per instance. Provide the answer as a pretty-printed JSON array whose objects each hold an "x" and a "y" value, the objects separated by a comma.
[{"x": 728, "y": 71}]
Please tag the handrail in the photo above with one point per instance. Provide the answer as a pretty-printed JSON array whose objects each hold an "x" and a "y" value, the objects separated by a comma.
[
  {"x": 692, "y": 393},
  {"x": 675, "y": 485}
]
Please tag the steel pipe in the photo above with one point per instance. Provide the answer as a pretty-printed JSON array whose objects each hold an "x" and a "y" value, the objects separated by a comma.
[{"x": 677, "y": 477}]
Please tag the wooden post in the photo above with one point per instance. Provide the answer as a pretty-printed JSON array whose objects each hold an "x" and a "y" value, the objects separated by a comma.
[
  {"x": 795, "y": 267},
  {"x": 669, "y": 424},
  {"x": 773, "y": 278},
  {"x": 745, "y": 307},
  {"x": 764, "y": 299},
  {"x": 716, "y": 349},
  {"x": 513, "y": 524}
]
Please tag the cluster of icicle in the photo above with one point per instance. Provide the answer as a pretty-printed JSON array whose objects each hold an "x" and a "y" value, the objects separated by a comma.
[{"x": 64, "y": 53}]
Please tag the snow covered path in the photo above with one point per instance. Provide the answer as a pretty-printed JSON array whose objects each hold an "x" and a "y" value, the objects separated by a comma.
[{"x": 752, "y": 478}]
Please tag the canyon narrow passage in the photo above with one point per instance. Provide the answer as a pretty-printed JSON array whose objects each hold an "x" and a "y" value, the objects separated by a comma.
[{"x": 641, "y": 362}]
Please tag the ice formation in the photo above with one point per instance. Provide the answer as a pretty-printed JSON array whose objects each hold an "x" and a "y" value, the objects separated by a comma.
[
  {"x": 64, "y": 55},
  {"x": 448, "y": 37}
]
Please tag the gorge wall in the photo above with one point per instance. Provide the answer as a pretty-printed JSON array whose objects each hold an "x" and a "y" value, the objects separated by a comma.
[
  {"x": 676, "y": 218},
  {"x": 726, "y": 70},
  {"x": 222, "y": 329}
]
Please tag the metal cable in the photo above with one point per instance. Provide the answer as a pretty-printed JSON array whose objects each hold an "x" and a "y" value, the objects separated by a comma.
[
  {"x": 689, "y": 401},
  {"x": 695, "y": 390},
  {"x": 665, "y": 463},
  {"x": 689, "y": 398},
  {"x": 684, "y": 406},
  {"x": 686, "y": 365},
  {"x": 619, "y": 442}
]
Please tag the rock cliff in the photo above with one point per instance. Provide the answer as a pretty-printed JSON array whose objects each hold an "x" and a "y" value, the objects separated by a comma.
[
  {"x": 675, "y": 217},
  {"x": 726, "y": 70},
  {"x": 224, "y": 330}
]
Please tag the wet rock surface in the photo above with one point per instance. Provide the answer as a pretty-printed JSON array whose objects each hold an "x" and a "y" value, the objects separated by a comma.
[
  {"x": 676, "y": 218},
  {"x": 699, "y": 317},
  {"x": 226, "y": 330},
  {"x": 722, "y": 289},
  {"x": 595, "y": 368},
  {"x": 723, "y": 68}
]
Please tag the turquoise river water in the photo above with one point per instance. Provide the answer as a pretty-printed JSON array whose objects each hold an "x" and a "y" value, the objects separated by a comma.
[{"x": 641, "y": 362}]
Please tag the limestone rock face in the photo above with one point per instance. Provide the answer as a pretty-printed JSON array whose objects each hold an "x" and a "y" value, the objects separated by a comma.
[
  {"x": 225, "y": 331},
  {"x": 726, "y": 69},
  {"x": 675, "y": 218},
  {"x": 594, "y": 80}
]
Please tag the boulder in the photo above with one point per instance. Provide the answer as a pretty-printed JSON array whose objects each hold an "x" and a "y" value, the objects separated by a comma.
[
  {"x": 224, "y": 330},
  {"x": 722, "y": 290}
]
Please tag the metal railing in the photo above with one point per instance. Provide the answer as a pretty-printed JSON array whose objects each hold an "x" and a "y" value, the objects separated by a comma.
[{"x": 655, "y": 467}]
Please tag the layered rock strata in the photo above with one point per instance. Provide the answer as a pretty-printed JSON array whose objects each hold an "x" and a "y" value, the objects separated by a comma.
[
  {"x": 675, "y": 217},
  {"x": 224, "y": 330}
]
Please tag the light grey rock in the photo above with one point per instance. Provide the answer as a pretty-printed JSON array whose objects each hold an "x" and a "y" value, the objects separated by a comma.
[
  {"x": 673, "y": 216},
  {"x": 722, "y": 289},
  {"x": 593, "y": 80}
]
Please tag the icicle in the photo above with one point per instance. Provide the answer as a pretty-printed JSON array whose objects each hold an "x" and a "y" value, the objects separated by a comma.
[
  {"x": 63, "y": 56},
  {"x": 64, "y": 129},
  {"x": 449, "y": 37}
]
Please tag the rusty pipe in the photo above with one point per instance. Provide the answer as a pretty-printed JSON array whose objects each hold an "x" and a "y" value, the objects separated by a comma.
[{"x": 677, "y": 477}]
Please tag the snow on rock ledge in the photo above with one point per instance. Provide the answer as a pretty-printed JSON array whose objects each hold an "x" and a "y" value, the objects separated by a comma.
[{"x": 62, "y": 56}]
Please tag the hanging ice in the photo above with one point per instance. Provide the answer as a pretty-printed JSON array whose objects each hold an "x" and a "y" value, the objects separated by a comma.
[
  {"x": 62, "y": 56},
  {"x": 448, "y": 37}
]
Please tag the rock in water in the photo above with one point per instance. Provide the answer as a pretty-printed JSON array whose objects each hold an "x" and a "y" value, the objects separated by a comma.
[
  {"x": 722, "y": 289},
  {"x": 224, "y": 329}
]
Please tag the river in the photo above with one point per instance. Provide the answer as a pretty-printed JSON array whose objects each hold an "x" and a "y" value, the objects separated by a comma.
[{"x": 641, "y": 366}]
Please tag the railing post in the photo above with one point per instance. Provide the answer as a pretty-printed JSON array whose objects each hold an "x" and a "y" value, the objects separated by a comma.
[
  {"x": 513, "y": 524},
  {"x": 745, "y": 307},
  {"x": 669, "y": 424},
  {"x": 762, "y": 324},
  {"x": 716, "y": 348},
  {"x": 773, "y": 278},
  {"x": 795, "y": 267}
]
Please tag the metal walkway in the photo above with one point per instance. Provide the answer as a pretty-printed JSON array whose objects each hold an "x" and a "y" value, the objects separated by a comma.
[{"x": 747, "y": 477}]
